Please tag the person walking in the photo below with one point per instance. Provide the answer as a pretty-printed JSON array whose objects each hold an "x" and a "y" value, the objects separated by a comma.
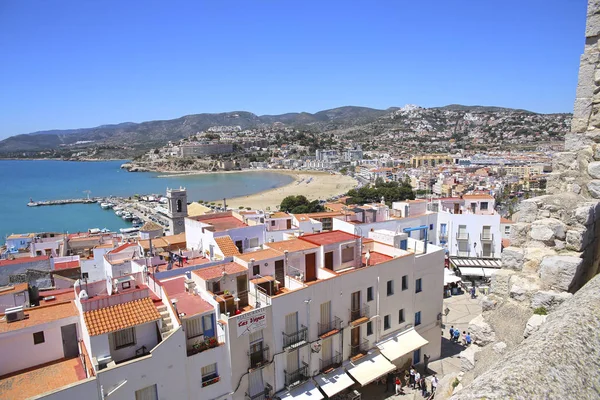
[
  {"x": 411, "y": 380},
  {"x": 452, "y": 333},
  {"x": 456, "y": 335},
  {"x": 473, "y": 292},
  {"x": 468, "y": 339},
  {"x": 398, "y": 386},
  {"x": 417, "y": 379},
  {"x": 423, "y": 387},
  {"x": 434, "y": 383}
]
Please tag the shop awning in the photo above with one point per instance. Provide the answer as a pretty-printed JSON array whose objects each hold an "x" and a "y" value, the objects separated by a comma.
[
  {"x": 476, "y": 271},
  {"x": 450, "y": 277},
  {"x": 334, "y": 382},
  {"x": 402, "y": 344},
  {"x": 368, "y": 368},
  {"x": 306, "y": 391}
]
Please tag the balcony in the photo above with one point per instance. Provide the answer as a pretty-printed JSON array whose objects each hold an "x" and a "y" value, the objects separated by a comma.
[
  {"x": 486, "y": 237},
  {"x": 359, "y": 316},
  {"x": 260, "y": 358},
  {"x": 296, "y": 377},
  {"x": 295, "y": 339},
  {"x": 462, "y": 236},
  {"x": 203, "y": 345},
  {"x": 360, "y": 348},
  {"x": 331, "y": 363},
  {"x": 329, "y": 328}
]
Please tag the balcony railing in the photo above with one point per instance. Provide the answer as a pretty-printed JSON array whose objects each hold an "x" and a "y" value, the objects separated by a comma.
[
  {"x": 295, "y": 339},
  {"x": 334, "y": 325},
  {"x": 462, "y": 236},
  {"x": 360, "y": 348},
  {"x": 259, "y": 358},
  {"x": 331, "y": 363},
  {"x": 356, "y": 314},
  {"x": 296, "y": 377},
  {"x": 486, "y": 237}
]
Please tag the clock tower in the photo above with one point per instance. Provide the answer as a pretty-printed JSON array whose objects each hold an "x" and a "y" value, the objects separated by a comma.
[{"x": 177, "y": 202}]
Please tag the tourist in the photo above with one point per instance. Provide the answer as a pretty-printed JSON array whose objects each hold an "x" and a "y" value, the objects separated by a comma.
[
  {"x": 452, "y": 333},
  {"x": 398, "y": 386},
  {"x": 411, "y": 381},
  {"x": 417, "y": 379},
  {"x": 456, "y": 336},
  {"x": 434, "y": 383},
  {"x": 473, "y": 292},
  {"x": 389, "y": 381},
  {"x": 468, "y": 338},
  {"x": 423, "y": 387}
]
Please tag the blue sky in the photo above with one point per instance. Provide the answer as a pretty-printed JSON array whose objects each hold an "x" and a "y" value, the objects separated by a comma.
[{"x": 73, "y": 64}]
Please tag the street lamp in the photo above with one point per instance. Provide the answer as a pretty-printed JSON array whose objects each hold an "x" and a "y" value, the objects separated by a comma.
[{"x": 446, "y": 312}]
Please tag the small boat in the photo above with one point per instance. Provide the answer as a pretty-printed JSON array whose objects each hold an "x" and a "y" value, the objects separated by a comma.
[
  {"x": 105, "y": 230},
  {"x": 117, "y": 208},
  {"x": 119, "y": 213},
  {"x": 105, "y": 206},
  {"x": 94, "y": 231},
  {"x": 129, "y": 230},
  {"x": 136, "y": 221},
  {"x": 127, "y": 216}
]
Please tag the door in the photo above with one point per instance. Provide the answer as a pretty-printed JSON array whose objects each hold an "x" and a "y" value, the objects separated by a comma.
[
  {"x": 355, "y": 306},
  {"x": 289, "y": 224},
  {"x": 325, "y": 318},
  {"x": 255, "y": 382},
  {"x": 329, "y": 260},
  {"x": 310, "y": 265},
  {"x": 240, "y": 245},
  {"x": 242, "y": 290},
  {"x": 280, "y": 273},
  {"x": 355, "y": 340},
  {"x": 69, "y": 339},
  {"x": 292, "y": 364},
  {"x": 326, "y": 352},
  {"x": 291, "y": 323},
  {"x": 487, "y": 250},
  {"x": 456, "y": 208}
]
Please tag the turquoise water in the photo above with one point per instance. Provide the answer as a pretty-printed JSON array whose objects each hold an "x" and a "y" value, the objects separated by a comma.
[{"x": 49, "y": 180}]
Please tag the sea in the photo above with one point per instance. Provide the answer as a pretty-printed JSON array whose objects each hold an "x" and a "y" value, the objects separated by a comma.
[{"x": 37, "y": 180}]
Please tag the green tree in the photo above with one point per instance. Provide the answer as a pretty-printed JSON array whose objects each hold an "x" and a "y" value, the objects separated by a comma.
[{"x": 299, "y": 205}]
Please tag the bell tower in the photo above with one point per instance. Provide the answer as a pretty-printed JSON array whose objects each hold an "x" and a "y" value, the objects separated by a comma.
[{"x": 177, "y": 202}]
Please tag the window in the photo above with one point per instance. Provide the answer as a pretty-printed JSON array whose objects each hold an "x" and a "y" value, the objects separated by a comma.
[
  {"x": 38, "y": 337},
  {"x": 369, "y": 328},
  {"x": 418, "y": 285},
  {"x": 507, "y": 230},
  {"x": 124, "y": 338},
  {"x": 390, "y": 288},
  {"x": 147, "y": 393},
  {"x": 126, "y": 285},
  {"x": 401, "y": 316},
  {"x": 216, "y": 286},
  {"x": 256, "y": 269},
  {"x": 418, "y": 318},
  {"x": 179, "y": 206},
  {"x": 430, "y": 227},
  {"x": 347, "y": 254},
  {"x": 209, "y": 372},
  {"x": 370, "y": 293},
  {"x": 386, "y": 322},
  {"x": 272, "y": 222},
  {"x": 405, "y": 282},
  {"x": 193, "y": 327},
  {"x": 483, "y": 205},
  {"x": 207, "y": 321},
  {"x": 253, "y": 242}
]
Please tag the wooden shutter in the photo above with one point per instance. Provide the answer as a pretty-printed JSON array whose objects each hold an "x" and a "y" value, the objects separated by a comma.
[
  {"x": 291, "y": 323},
  {"x": 325, "y": 312}
]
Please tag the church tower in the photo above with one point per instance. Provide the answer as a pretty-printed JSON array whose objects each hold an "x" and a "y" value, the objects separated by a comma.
[{"x": 177, "y": 202}]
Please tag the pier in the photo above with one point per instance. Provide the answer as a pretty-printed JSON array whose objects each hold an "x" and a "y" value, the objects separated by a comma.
[{"x": 63, "y": 202}]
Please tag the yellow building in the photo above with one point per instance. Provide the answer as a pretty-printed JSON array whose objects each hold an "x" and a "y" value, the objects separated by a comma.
[{"x": 431, "y": 160}]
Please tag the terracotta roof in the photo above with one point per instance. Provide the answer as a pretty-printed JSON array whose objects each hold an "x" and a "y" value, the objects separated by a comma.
[
  {"x": 120, "y": 316},
  {"x": 66, "y": 265},
  {"x": 41, "y": 315},
  {"x": 224, "y": 223},
  {"x": 123, "y": 247},
  {"x": 23, "y": 260},
  {"x": 331, "y": 237},
  {"x": 506, "y": 221},
  {"x": 157, "y": 243},
  {"x": 334, "y": 206},
  {"x": 150, "y": 226},
  {"x": 217, "y": 271},
  {"x": 260, "y": 255},
  {"x": 187, "y": 303},
  {"x": 60, "y": 295},
  {"x": 478, "y": 196},
  {"x": 292, "y": 245},
  {"x": 195, "y": 209},
  {"x": 175, "y": 239},
  {"x": 280, "y": 214},
  {"x": 20, "y": 287},
  {"x": 227, "y": 247}
]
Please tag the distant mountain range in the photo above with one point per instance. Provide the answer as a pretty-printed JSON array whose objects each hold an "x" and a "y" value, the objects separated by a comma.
[{"x": 138, "y": 137}]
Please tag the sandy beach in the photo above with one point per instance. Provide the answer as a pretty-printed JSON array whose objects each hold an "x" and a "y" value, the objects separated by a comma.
[{"x": 312, "y": 184}]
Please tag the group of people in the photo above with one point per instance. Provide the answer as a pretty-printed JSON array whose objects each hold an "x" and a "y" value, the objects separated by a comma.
[
  {"x": 455, "y": 336},
  {"x": 413, "y": 379}
]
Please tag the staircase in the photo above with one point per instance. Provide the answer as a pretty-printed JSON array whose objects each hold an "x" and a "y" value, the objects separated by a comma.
[{"x": 167, "y": 324}]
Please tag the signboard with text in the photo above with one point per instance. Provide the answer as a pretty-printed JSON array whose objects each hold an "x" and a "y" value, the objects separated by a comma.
[{"x": 251, "y": 322}]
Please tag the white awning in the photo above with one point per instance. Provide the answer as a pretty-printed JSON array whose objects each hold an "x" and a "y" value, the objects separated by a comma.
[
  {"x": 334, "y": 382},
  {"x": 450, "y": 277},
  {"x": 306, "y": 391},
  {"x": 476, "y": 271},
  {"x": 368, "y": 368},
  {"x": 402, "y": 344}
]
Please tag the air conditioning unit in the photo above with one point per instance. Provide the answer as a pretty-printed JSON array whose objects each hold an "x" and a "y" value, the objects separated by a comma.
[{"x": 14, "y": 314}]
